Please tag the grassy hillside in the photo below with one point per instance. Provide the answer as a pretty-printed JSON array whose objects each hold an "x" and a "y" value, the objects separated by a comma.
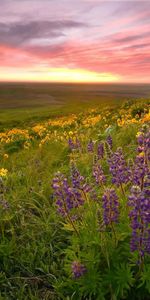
[
  {"x": 72, "y": 235},
  {"x": 24, "y": 103}
]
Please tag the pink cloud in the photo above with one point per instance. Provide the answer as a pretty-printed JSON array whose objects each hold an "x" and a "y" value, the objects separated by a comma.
[{"x": 102, "y": 36}]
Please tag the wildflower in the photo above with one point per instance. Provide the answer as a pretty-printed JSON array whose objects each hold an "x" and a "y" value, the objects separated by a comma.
[
  {"x": 91, "y": 120},
  {"x": 108, "y": 151},
  {"x": 78, "y": 269},
  {"x": 90, "y": 146},
  {"x": 67, "y": 198},
  {"x": 74, "y": 144},
  {"x": 63, "y": 121},
  {"x": 143, "y": 139},
  {"x": 3, "y": 172},
  {"x": 80, "y": 184},
  {"x": 138, "y": 134},
  {"x": 98, "y": 174},
  {"x": 40, "y": 130},
  {"x": 118, "y": 168},
  {"x": 139, "y": 170},
  {"x": 100, "y": 150},
  {"x": 141, "y": 154},
  {"x": 78, "y": 181},
  {"x": 14, "y": 134},
  {"x": 110, "y": 207},
  {"x": 146, "y": 118},
  {"x": 71, "y": 144},
  {"x": 140, "y": 219},
  {"x": 6, "y": 156},
  {"x": 109, "y": 141},
  {"x": 70, "y": 132},
  {"x": 26, "y": 145}
]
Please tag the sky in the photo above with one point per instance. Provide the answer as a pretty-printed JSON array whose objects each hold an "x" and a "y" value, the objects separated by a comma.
[{"x": 75, "y": 41}]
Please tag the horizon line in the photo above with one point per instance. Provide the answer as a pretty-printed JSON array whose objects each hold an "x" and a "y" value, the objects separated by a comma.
[{"x": 73, "y": 83}]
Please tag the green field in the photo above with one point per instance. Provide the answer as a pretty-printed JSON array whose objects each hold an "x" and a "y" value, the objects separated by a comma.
[
  {"x": 24, "y": 103},
  {"x": 73, "y": 253}
]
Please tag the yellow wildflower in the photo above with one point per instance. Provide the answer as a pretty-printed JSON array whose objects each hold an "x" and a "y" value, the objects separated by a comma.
[
  {"x": 141, "y": 154},
  {"x": 3, "y": 172},
  {"x": 146, "y": 118},
  {"x": 138, "y": 134}
]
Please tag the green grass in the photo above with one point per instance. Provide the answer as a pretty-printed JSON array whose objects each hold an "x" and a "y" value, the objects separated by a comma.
[{"x": 36, "y": 249}]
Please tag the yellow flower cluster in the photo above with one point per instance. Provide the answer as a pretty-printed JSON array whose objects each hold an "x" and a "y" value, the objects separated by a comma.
[
  {"x": 13, "y": 135},
  {"x": 125, "y": 121},
  {"x": 139, "y": 133},
  {"x": 46, "y": 133},
  {"x": 91, "y": 120},
  {"x": 146, "y": 118},
  {"x": 27, "y": 145},
  {"x": 39, "y": 129},
  {"x": 126, "y": 117},
  {"x": 142, "y": 154},
  {"x": 3, "y": 172},
  {"x": 44, "y": 140},
  {"x": 61, "y": 128},
  {"x": 63, "y": 121}
]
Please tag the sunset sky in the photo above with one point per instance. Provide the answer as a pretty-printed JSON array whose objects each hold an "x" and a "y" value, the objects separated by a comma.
[{"x": 75, "y": 40}]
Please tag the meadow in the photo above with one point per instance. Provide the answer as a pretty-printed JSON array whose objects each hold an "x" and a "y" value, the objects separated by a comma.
[{"x": 74, "y": 192}]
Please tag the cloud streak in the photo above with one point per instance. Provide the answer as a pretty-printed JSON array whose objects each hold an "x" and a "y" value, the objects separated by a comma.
[{"x": 19, "y": 33}]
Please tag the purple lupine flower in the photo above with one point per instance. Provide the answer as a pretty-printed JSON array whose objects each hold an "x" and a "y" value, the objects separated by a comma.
[
  {"x": 140, "y": 139},
  {"x": 139, "y": 202},
  {"x": 90, "y": 146},
  {"x": 70, "y": 144},
  {"x": 80, "y": 184},
  {"x": 78, "y": 144},
  {"x": 67, "y": 198},
  {"x": 140, "y": 168},
  {"x": 74, "y": 145},
  {"x": 147, "y": 146},
  {"x": 100, "y": 150},
  {"x": 147, "y": 242},
  {"x": 79, "y": 181},
  {"x": 139, "y": 171},
  {"x": 147, "y": 180},
  {"x": 109, "y": 141},
  {"x": 143, "y": 140},
  {"x": 78, "y": 269},
  {"x": 98, "y": 174},
  {"x": 110, "y": 207},
  {"x": 140, "y": 149},
  {"x": 118, "y": 168}
]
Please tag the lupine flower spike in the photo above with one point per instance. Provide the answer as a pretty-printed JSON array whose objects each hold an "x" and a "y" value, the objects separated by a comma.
[{"x": 78, "y": 269}]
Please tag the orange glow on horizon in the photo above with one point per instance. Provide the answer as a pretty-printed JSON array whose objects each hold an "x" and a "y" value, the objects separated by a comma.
[{"x": 63, "y": 75}]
